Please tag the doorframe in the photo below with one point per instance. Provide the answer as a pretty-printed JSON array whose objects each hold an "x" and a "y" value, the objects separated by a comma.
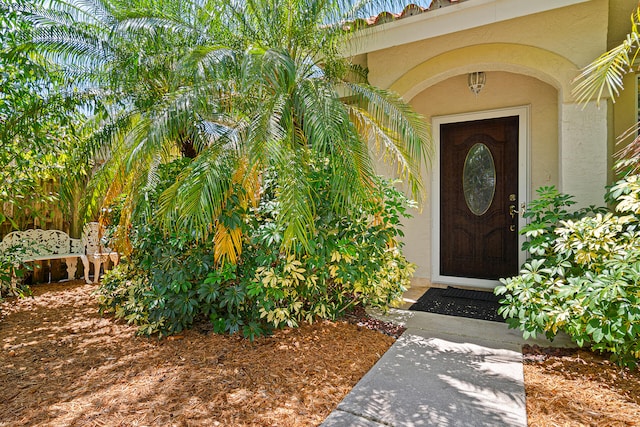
[{"x": 524, "y": 181}]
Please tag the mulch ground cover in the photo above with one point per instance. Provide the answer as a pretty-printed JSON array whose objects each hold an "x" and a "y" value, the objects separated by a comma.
[
  {"x": 62, "y": 364},
  {"x": 575, "y": 387}
]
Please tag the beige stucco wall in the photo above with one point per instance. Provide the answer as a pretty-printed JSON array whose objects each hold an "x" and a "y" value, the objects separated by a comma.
[
  {"x": 529, "y": 61},
  {"x": 577, "y": 33},
  {"x": 453, "y": 97},
  {"x": 625, "y": 110},
  {"x": 625, "y": 106}
]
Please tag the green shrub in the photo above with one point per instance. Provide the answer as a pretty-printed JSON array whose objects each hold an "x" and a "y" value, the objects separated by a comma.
[
  {"x": 10, "y": 265},
  {"x": 171, "y": 281},
  {"x": 583, "y": 276}
]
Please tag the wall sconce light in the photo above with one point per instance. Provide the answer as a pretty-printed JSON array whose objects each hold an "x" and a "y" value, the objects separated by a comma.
[{"x": 476, "y": 81}]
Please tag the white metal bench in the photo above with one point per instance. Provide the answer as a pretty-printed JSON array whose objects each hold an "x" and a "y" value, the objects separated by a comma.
[
  {"x": 40, "y": 245},
  {"x": 95, "y": 252}
]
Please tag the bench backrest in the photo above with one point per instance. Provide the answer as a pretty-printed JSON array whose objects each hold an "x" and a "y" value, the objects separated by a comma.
[
  {"x": 42, "y": 242},
  {"x": 91, "y": 235},
  {"x": 50, "y": 242}
]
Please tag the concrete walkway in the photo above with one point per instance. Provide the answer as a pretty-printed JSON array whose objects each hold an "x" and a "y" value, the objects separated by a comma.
[{"x": 443, "y": 371}]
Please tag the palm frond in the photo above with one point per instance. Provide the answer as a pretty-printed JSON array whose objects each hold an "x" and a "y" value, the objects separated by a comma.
[
  {"x": 628, "y": 155},
  {"x": 608, "y": 70},
  {"x": 169, "y": 123},
  {"x": 150, "y": 25},
  {"x": 404, "y": 128},
  {"x": 103, "y": 149},
  {"x": 328, "y": 130},
  {"x": 95, "y": 9},
  {"x": 197, "y": 198},
  {"x": 216, "y": 63},
  {"x": 227, "y": 244},
  {"x": 58, "y": 12},
  {"x": 295, "y": 198},
  {"x": 70, "y": 47},
  {"x": 389, "y": 146}
]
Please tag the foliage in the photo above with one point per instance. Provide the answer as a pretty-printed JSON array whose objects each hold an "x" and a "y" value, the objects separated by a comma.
[
  {"x": 583, "y": 277},
  {"x": 172, "y": 280},
  {"x": 11, "y": 266},
  {"x": 240, "y": 88},
  {"x": 37, "y": 126}
]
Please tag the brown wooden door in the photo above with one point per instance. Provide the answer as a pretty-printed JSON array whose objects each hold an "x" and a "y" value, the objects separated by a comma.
[{"x": 478, "y": 235}]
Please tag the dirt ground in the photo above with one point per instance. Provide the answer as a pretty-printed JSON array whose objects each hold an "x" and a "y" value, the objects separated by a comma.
[{"x": 61, "y": 364}]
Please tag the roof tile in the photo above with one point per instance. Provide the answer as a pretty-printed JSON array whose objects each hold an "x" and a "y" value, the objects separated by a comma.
[{"x": 409, "y": 10}]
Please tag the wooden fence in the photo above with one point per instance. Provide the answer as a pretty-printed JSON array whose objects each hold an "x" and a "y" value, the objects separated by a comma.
[{"x": 50, "y": 216}]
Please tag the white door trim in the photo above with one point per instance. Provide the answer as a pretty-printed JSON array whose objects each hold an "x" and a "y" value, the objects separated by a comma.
[{"x": 524, "y": 179}]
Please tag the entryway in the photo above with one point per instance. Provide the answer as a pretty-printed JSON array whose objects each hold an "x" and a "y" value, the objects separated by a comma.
[{"x": 480, "y": 189}]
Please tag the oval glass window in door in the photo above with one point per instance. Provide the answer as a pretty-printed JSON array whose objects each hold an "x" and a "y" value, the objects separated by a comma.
[{"x": 479, "y": 179}]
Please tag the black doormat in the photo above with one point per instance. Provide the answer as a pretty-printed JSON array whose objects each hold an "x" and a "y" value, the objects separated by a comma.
[{"x": 461, "y": 303}]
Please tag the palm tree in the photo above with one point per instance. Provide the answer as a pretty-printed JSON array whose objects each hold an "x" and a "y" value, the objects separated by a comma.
[{"x": 238, "y": 87}]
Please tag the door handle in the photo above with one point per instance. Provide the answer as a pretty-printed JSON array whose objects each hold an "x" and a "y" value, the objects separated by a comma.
[{"x": 513, "y": 212}]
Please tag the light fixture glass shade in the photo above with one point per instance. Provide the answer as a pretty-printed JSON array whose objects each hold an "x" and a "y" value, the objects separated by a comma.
[{"x": 476, "y": 81}]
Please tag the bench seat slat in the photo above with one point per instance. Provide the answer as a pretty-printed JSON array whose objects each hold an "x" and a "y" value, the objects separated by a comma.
[{"x": 50, "y": 256}]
